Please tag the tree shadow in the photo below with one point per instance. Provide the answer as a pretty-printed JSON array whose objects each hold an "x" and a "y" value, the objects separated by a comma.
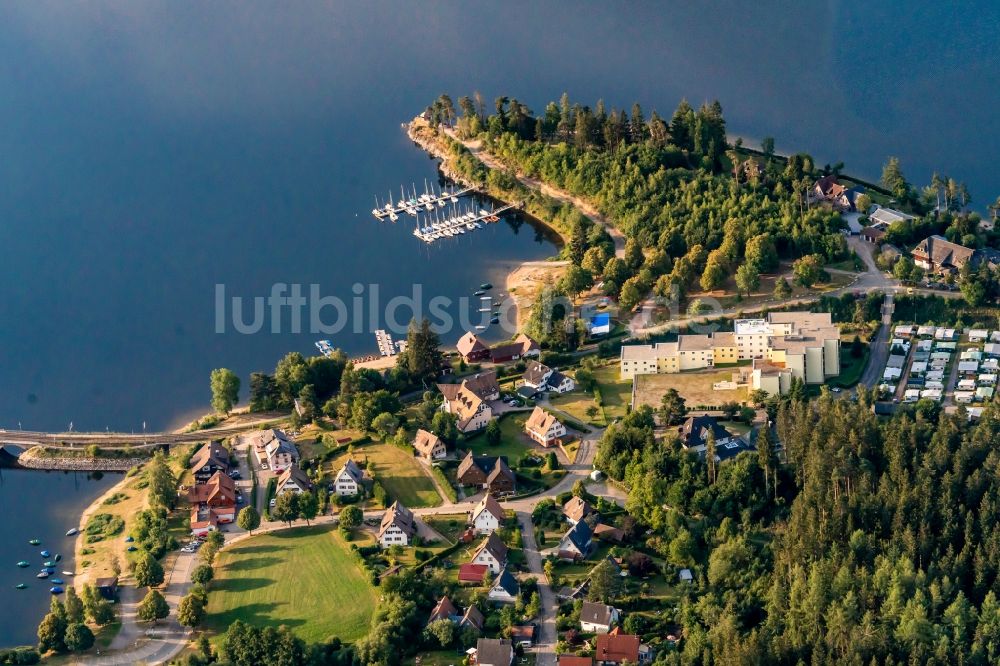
[
  {"x": 262, "y": 548},
  {"x": 259, "y": 615},
  {"x": 242, "y": 584},
  {"x": 252, "y": 563}
]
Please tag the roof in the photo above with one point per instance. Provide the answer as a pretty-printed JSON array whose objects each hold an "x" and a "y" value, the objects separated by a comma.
[
  {"x": 425, "y": 442},
  {"x": 577, "y": 508},
  {"x": 829, "y": 186},
  {"x": 294, "y": 473},
  {"x": 494, "y": 546},
  {"x": 507, "y": 350},
  {"x": 596, "y": 613},
  {"x": 608, "y": 532},
  {"x": 694, "y": 431},
  {"x": 524, "y": 632},
  {"x": 111, "y": 581},
  {"x": 751, "y": 327},
  {"x": 443, "y": 610},
  {"x": 872, "y": 232},
  {"x": 399, "y": 516},
  {"x": 528, "y": 344},
  {"x": 540, "y": 421},
  {"x": 694, "y": 342},
  {"x": 888, "y": 216},
  {"x": 557, "y": 378},
  {"x": 639, "y": 353},
  {"x": 490, "y": 505},
  {"x": 472, "y": 573},
  {"x": 579, "y": 535},
  {"x": 506, "y": 582},
  {"x": 486, "y": 464},
  {"x": 482, "y": 384},
  {"x": 219, "y": 488},
  {"x": 212, "y": 453},
  {"x": 617, "y": 648},
  {"x": 573, "y": 660},
  {"x": 943, "y": 252},
  {"x": 470, "y": 344},
  {"x": 536, "y": 373},
  {"x": 494, "y": 651},
  {"x": 352, "y": 470},
  {"x": 473, "y": 616},
  {"x": 500, "y": 469}
]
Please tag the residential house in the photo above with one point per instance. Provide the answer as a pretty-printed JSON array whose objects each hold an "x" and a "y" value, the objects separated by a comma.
[
  {"x": 473, "y": 617},
  {"x": 576, "y": 509},
  {"x": 293, "y": 480},
  {"x": 872, "y": 235},
  {"x": 469, "y": 401},
  {"x": 505, "y": 588},
  {"x": 597, "y": 618},
  {"x": 614, "y": 649},
  {"x": 608, "y": 533},
  {"x": 685, "y": 576},
  {"x": 561, "y": 383},
  {"x": 472, "y": 348},
  {"x": 213, "y": 503},
  {"x": 599, "y": 324},
  {"x": 522, "y": 347},
  {"x": 429, "y": 446},
  {"x": 488, "y": 472},
  {"x": 938, "y": 254},
  {"x": 494, "y": 652},
  {"x": 882, "y": 218},
  {"x": 523, "y": 635},
  {"x": 492, "y": 552},
  {"x": 274, "y": 450},
  {"x": 444, "y": 610},
  {"x": 841, "y": 198},
  {"x": 576, "y": 543},
  {"x": 348, "y": 480},
  {"x": 397, "y": 527},
  {"x": 543, "y": 378},
  {"x": 544, "y": 427},
  {"x": 211, "y": 458},
  {"x": 487, "y": 516}
]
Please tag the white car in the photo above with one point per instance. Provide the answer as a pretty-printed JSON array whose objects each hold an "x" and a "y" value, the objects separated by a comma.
[{"x": 273, "y": 502}]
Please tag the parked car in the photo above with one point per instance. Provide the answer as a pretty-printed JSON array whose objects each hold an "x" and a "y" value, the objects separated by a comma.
[{"x": 273, "y": 502}]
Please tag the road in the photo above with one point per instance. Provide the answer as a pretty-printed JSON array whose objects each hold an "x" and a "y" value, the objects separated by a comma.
[{"x": 879, "y": 347}]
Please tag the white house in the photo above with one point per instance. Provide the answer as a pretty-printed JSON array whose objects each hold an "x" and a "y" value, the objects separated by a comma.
[
  {"x": 561, "y": 383},
  {"x": 293, "y": 480},
  {"x": 397, "y": 527},
  {"x": 544, "y": 427},
  {"x": 576, "y": 543},
  {"x": 348, "y": 479},
  {"x": 429, "y": 446},
  {"x": 597, "y": 618},
  {"x": 273, "y": 449},
  {"x": 487, "y": 516},
  {"x": 492, "y": 552},
  {"x": 505, "y": 588}
]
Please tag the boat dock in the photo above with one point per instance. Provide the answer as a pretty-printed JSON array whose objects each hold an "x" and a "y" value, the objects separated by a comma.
[
  {"x": 459, "y": 223},
  {"x": 413, "y": 204},
  {"x": 386, "y": 346}
]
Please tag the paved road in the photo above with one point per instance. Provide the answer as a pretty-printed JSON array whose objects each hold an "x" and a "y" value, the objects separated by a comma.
[
  {"x": 545, "y": 646},
  {"x": 879, "y": 346}
]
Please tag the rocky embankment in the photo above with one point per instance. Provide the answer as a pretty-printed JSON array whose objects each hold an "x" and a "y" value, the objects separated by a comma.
[{"x": 34, "y": 459}]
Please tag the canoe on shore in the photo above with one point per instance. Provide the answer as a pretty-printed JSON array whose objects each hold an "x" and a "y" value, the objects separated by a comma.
[{"x": 72, "y": 532}]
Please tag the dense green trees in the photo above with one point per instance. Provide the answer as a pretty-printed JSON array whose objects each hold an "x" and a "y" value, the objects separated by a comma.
[{"x": 225, "y": 390}]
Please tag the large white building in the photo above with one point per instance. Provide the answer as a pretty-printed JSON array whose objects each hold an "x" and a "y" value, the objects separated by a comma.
[{"x": 785, "y": 345}]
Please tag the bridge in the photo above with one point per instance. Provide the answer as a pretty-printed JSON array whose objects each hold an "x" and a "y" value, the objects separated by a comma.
[{"x": 117, "y": 440}]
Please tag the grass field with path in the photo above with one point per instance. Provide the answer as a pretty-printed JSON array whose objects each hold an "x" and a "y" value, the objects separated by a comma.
[
  {"x": 616, "y": 393},
  {"x": 305, "y": 578},
  {"x": 695, "y": 387}
]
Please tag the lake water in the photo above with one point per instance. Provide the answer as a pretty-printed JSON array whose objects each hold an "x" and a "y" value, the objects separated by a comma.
[
  {"x": 153, "y": 150},
  {"x": 37, "y": 505}
]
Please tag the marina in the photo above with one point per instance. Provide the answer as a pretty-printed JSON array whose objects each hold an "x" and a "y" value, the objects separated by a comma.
[
  {"x": 386, "y": 346},
  {"x": 436, "y": 227},
  {"x": 413, "y": 204}
]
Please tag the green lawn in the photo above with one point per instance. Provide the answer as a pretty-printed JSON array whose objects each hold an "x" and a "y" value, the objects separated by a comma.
[
  {"x": 850, "y": 367},
  {"x": 305, "y": 578},
  {"x": 450, "y": 526},
  {"x": 617, "y": 394},
  {"x": 575, "y": 404},
  {"x": 514, "y": 443},
  {"x": 399, "y": 473}
]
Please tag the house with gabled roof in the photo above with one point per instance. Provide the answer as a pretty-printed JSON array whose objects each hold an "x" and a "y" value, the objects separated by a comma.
[
  {"x": 617, "y": 648},
  {"x": 219, "y": 491},
  {"x": 492, "y": 552},
  {"x": 348, "y": 480},
  {"x": 293, "y": 480},
  {"x": 936, "y": 253},
  {"x": 274, "y": 449},
  {"x": 597, "y": 618},
  {"x": 505, "y": 588},
  {"x": 473, "y": 617},
  {"x": 576, "y": 543},
  {"x": 469, "y": 401},
  {"x": 522, "y": 347},
  {"x": 444, "y": 610},
  {"x": 544, "y": 427},
  {"x": 211, "y": 458},
  {"x": 472, "y": 574},
  {"x": 429, "y": 446},
  {"x": 494, "y": 652},
  {"x": 487, "y": 516},
  {"x": 576, "y": 509},
  {"x": 397, "y": 527},
  {"x": 472, "y": 348},
  {"x": 543, "y": 378},
  {"x": 489, "y": 472}
]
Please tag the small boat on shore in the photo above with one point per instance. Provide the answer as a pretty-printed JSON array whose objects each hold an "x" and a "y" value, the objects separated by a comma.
[
  {"x": 44, "y": 553},
  {"x": 42, "y": 574},
  {"x": 479, "y": 293},
  {"x": 23, "y": 565},
  {"x": 35, "y": 542},
  {"x": 49, "y": 564},
  {"x": 72, "y": 532},
  {"x": 480, "y": 327},
  {"x": 68, "y": 573},
  {"x": 57, "y": 581},
  {"x": 56, "y": 590},
  {"x": 49, "y": 570},
  {"x": 495, "y": 320},
  {"x": 57, "y": 558},
  {"x": 21, "y": 586},
  {"x": 486, "y": 285}
]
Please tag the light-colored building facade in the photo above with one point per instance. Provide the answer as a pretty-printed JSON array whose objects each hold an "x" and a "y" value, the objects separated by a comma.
[{"x": 785, "y": 345}]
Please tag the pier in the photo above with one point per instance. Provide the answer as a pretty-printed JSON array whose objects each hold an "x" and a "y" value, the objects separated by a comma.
[
  {"x": 414, "y": 204},
  {"x": 459, "y": 224},
  {"x": 386, "y": 346}
]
